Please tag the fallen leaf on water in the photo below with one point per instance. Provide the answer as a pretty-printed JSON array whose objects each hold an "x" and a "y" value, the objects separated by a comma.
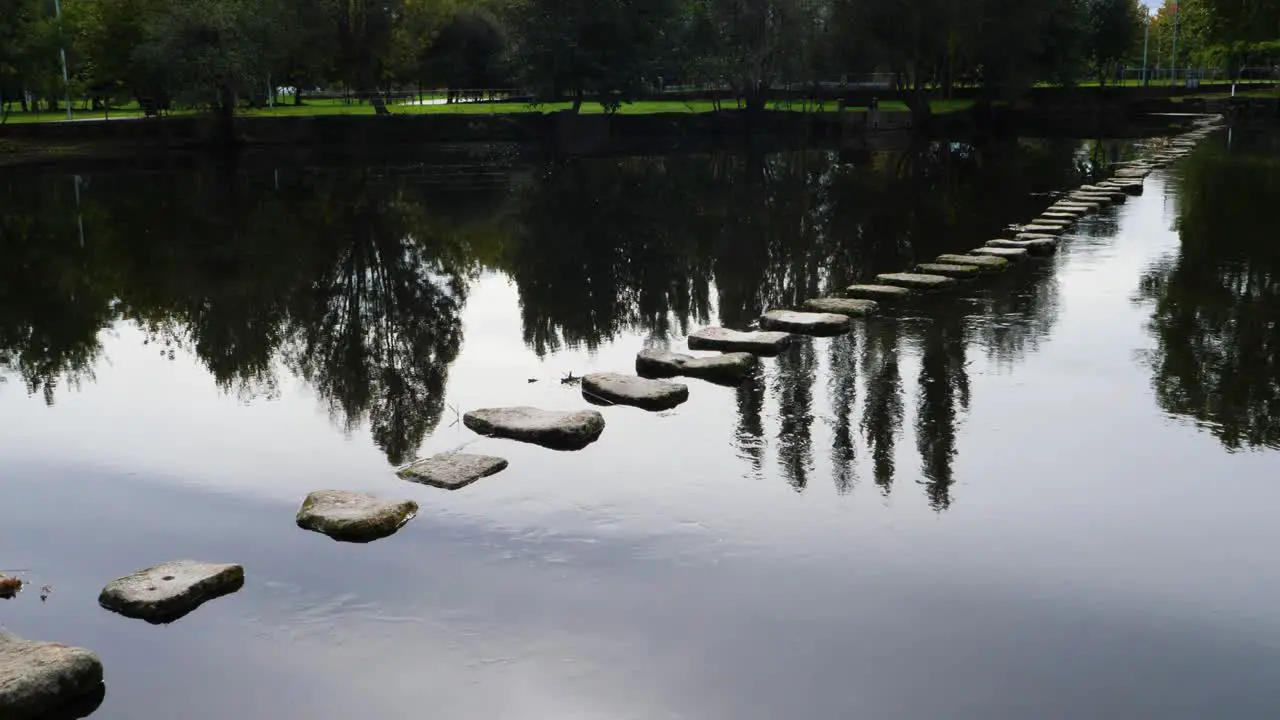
[{"x": 9, "y": 586}]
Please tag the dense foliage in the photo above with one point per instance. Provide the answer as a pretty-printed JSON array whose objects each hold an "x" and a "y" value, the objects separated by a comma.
[{"x": 223, "y": 53}]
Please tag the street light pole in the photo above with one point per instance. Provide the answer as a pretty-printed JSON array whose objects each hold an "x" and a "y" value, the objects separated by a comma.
[
  {"x": 62, "y": 50},
  {"x": 1146, "y": 44},
  {"x": 1173, "y": 64}
]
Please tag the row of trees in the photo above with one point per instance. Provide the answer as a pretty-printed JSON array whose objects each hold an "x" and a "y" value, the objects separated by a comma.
[
  {"x": 219, "y": 52},
  {"x": 1217, "y": 33}
]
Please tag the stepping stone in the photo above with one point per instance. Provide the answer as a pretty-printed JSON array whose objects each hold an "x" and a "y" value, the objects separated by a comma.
[
  {"x": 1114, "y": 194},
  {"x": 1037, "y": 236},
  {"x": 1035, "y": 247},
  {"x": 1010, "y": 254},
  {"x": 1044, "y": 229},
  {"x": 1088, "y": 207},
  {"x": 918, "y": 281},
  {"x": 987, "y": 264},
  {"x": 842, "y": 306},
  {"x": 760, "y": 343},
  {"x": 353, "y": 516},
  {"x": 1127, "y": 188},
  {"x": 1103, "y": 200},
  {"x": 43, "y": 679},
  {"x": 549, "y": 428},
  {"x": 1132, "y": 173},
  {"x": 879, "y": 293},
  {"x": 1072, "y": 214},
  {"x": 1055, "y": 222},
  {"x": 960, "y": 272},
  {"x": 635, "y": 391},
  {"x": 806, "y": 323},
  {"x": 169, "y": 591},
  {"x": 727, "y": 369},
  {"x": 452, "y": 471}
]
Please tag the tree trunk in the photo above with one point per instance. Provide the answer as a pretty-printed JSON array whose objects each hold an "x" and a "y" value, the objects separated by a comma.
[
  {"x": 756, "y": 98},
  {"x": 224, "y": 112},
  {"x": 577, "y": 100},
  {"x": 913, "y": 96}
]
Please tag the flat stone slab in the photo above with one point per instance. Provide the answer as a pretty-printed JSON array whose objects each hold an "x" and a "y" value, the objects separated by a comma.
[
  {"x": 727, "y": 369},
  {"x": 1056, "y": 222},
  {"x": 1113, "y": 193},
  {"x": 1088, "y": 207},
  {"x": 169, "y": 591},
  {"x": 849, "y": 307},
  {"x": 354, "y": 516},
  {"x": 1035, "y": 247},
  {"x": 635, "y": 391},
  {"x": 1132, "y": 173},
  {"x": 43, "y": 679},
  {"x": 879, "y": 293},
  {"x": 960, "y": 272},
  {"x": 988, "y": 264},
  {"x": 760, "y": 343},
  {"x": 1038, "y": 236},
  {"x": 1060, "y": 215},
  {"x": 1103, "y": 200},
  {"x": 558, "y": 430},
  {"x": 452, "y": 471},
  {"x": 806, "y": 323},
  {"x": 1010, "y": 254},
  {"x": 1126, "y": 188},
  {"x": 918, "y": 281},
  {"x": 1043, "y": 229}
]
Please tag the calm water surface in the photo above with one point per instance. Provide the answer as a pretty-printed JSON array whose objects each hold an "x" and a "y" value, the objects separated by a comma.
[{"x": 1051, "y": 496}]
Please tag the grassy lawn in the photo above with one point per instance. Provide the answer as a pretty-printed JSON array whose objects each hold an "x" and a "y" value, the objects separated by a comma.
[
  {"x": 61, "y": 115},
  {"x": 311, "y": 108}
]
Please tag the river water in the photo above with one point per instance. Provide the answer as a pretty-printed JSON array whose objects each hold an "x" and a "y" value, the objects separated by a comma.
[{"x": 1050, "y": 495}]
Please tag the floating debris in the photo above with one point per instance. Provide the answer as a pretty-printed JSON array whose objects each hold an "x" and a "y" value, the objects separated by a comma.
[{"x": 10, "y": 586}]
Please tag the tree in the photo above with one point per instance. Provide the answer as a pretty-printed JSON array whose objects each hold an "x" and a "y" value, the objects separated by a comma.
[
  {"x": 467, "y": 52},
  {"x": 19, "y": 20},
  {"x": 364, "y": 32},
  {"x": 609, "y": 48},
  {"x": 210, "y": 51},
  {"x": 753, "y": 44},
  {"x": 30, "y": 40},
  {"x": 108, "y": 35},
  {"x": 1113, "y": 28},
  {"x": 301, "y": 52}
]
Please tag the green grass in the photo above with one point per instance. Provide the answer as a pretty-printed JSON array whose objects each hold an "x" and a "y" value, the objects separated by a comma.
[
  {"x": 1156, "y": 83},
  {"x": 311, "y": 108},
  {"x": 61, "y": 115}
]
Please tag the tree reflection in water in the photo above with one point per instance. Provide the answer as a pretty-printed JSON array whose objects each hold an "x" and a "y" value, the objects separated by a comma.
[
  {"x": 1216, "y": 305},
  {"x": 337, "y": 276},
  {"x": 55, "y": 295},
  {"x": 354, "y": 279}
]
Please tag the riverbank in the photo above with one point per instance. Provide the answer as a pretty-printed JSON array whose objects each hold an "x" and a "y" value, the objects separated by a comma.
[{"x": 669, "y": 126}]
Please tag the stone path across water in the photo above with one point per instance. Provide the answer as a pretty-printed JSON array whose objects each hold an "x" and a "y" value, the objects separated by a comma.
[{"x": 50, "y": 675}]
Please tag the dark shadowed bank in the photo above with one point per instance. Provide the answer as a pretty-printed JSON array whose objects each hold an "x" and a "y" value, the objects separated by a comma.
[{"x": 1060, "y": 113}]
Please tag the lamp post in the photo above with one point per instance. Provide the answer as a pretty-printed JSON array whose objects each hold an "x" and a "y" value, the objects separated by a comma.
[
  {"x": 62, "y": 50},
  {"x": 1146, "y": 45},
  {"x": 1173, "y": 63}
]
